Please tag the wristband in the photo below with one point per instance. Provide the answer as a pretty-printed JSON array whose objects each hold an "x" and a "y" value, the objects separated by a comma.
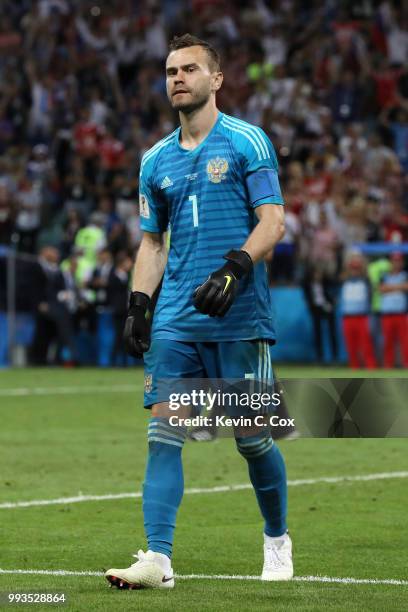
[
  {"x": 137, "y": 298},
  {"x": 239, "y": 263}
]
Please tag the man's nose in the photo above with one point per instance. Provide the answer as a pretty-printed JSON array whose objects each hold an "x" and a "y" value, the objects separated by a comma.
[{"x": 179, "y": 78}]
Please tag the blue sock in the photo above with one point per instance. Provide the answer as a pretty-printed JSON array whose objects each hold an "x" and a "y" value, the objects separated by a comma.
[
  {"x": 268, "y": 476},
  {"x": 164, "y": 484}
]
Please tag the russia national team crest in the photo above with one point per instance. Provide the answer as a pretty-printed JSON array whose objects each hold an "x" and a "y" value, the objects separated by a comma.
[
  {"x": 217, "y": 169},
  {"x": 148, "y": 383}
]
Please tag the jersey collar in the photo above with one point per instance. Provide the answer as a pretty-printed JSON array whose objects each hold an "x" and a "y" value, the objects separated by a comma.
[{"x": 202, "y": 143}]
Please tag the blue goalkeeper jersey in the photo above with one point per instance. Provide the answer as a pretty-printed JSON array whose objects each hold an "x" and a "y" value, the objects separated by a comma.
[
  {"x": 207, "y": 199},
  {"x": 394, "y": 302}
]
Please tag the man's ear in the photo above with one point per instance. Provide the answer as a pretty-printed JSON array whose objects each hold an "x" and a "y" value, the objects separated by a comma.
[{"x": 217, "y": 80}]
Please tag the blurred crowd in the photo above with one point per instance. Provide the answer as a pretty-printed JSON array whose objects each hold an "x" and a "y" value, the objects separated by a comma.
[{"x": 83, "y": 97}]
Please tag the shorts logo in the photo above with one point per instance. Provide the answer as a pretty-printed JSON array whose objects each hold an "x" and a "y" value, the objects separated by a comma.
[
  {"x": 217, "y": 169},
  {"x": 144, "y": 206},
  {"x": 148, "y": 383}
]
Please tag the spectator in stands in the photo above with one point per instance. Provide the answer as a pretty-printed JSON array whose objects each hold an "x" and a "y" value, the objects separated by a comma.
[
  {"x": 40, "y": 166},
  {"x": 86, "y": 141},
  {"x": 379, "y": 158},
  {"x": 355, "y": 301},
  {"x": 394, "y": 307},
  {"x": 395, "y": 223},
  {"x": 376, "y": 269},
  {"x": 396, "y": 120},
  {"x": 91, "y": 238},
  {"x": 118, "y": 298},
  {"x": 98, "y": 282},
  {"x": 346, "y": 98},
  {"x": 29, "y": 210},
  {"x": 77, "y": 192},
  {"x": 7, "y": 214},
  {"x": 282, "y": 264},
  {"x": 42, "y": 99},
  {"x": 79, "y": 300},
  {"x": 53, "y": 317},
  {"x": 325, "y": 244},
  {"x": 112, "y": 156},
  {"x": 318, "y": 291},
  {"x": 71, "y": 226},
  {"x": 373, "y": 220},
  {"x": 127, "y": 207},
  {"x": 113, "y": 228}
]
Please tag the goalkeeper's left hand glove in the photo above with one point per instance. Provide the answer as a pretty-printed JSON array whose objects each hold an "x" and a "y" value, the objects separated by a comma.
[
  {"x": 215, "y": 296},
  {"x": 136, "y": 334}
]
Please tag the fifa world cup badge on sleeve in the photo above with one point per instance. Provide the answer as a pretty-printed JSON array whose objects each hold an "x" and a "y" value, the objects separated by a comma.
[
  {"x": 217, "y": 169},
  {"x": 144, "y": 206}
]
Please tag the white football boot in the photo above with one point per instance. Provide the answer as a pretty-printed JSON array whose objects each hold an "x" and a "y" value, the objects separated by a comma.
[
  {"x": 278, "y": 563},
  {"x": 151, "y": 571}
]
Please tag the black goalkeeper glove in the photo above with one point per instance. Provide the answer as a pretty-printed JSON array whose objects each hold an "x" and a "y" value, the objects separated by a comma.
[
  {"x": 137, "y": 327},
  {"x": 215, "y": 296}
]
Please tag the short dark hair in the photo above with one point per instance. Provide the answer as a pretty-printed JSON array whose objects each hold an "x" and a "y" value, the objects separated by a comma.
[{"x": 188, "y": 40}]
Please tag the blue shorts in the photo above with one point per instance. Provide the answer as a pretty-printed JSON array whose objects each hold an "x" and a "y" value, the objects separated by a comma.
[{"x": 173, "y": 360}]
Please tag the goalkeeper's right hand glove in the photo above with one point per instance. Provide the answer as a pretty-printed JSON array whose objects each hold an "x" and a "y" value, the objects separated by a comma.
[
  {"x": 137, "y": 327},
  {"x": 215, "y": 296}
]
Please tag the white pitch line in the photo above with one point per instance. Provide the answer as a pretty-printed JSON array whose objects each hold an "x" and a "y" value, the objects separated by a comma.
[
  {"x": 29, "y": 391},
  {"x": 49, "y": 572},
  {"x": 195, "y": 491},
  {"x": 326, "y": 579}
]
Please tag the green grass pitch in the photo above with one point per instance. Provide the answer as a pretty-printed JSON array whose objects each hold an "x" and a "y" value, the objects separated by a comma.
[{"x": 83, "y": 432}]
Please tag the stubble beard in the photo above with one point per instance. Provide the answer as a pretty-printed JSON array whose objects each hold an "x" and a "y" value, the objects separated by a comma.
[{"x": 196, "y": 104}]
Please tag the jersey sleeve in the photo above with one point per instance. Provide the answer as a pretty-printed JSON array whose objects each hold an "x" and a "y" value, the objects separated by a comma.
[
  {"x": 260, "y": 168},
  {"x": 153, "y": 210}
]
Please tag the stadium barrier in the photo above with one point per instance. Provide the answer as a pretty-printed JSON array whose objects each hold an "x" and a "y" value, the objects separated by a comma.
[
  {"x": 294, "y": 325},
  {"x": 373, "y": 249},
  {"x": 93, "y": 350},
  {"x": 295, "y": 341}
]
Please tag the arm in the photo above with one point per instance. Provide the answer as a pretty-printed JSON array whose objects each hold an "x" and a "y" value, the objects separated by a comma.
[
  {"x": 216, "y": 295},
  {"x": 384, "y": 288},
  {"x": 147, "y": 274},
  {"x": 267, "y": 233},
  {"x": 150, "y": 263}
]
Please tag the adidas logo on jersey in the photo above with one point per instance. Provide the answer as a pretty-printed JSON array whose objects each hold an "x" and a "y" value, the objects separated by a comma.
[{"x": 166, "y": 182}]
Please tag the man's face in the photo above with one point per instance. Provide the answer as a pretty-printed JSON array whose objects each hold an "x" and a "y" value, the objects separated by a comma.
[
  {"x": 190, "y": 81},
  {"x": 397, "y": 264},
  {"x": 50, "y": 254}
]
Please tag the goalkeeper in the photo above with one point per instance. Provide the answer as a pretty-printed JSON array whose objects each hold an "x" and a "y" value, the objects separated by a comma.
[{"x": 214, "y": 182}]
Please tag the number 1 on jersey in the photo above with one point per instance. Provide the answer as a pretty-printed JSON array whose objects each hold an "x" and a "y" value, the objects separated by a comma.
[{"x": 194, "y": 201}]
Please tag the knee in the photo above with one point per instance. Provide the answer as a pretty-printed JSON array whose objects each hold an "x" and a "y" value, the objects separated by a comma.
[{"x": 254, "y": 446}]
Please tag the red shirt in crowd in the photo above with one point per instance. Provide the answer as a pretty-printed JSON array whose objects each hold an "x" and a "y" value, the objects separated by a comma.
[
  {"x": 86, "y": 137},
  {"x": 396, "y": 229},
  {"x": 111, "y": 152},
  {"x": 386, "y": 87},
  {"x": 317, "y": 185}
]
